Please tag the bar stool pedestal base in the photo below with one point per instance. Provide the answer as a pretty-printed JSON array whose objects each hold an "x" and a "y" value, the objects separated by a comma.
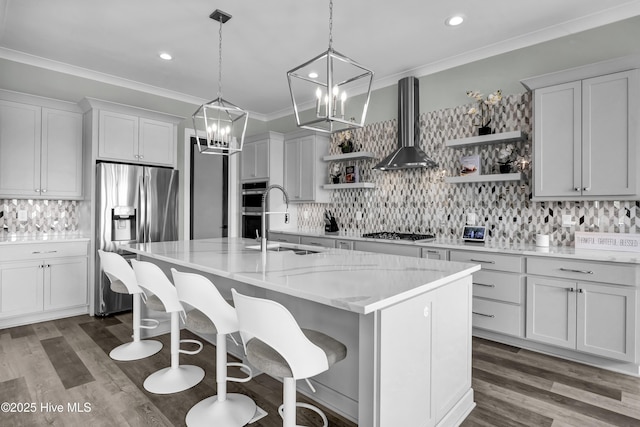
[{"x": 236, "y": 410}]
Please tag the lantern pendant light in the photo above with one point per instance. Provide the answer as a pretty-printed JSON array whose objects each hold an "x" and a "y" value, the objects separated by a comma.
[
  {"x": 220, "y": 125},
  {"x": 323, "y": 88}
]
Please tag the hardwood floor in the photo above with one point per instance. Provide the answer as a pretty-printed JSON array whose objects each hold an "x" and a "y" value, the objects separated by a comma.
[{"x": 65, "y": 362}]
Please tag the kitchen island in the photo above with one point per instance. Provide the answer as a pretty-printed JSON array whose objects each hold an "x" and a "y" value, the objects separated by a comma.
[{"x": 406, "y": 322}]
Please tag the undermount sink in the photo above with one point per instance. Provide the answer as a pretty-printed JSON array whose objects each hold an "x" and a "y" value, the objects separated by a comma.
[{"x": 276, "y": 247}]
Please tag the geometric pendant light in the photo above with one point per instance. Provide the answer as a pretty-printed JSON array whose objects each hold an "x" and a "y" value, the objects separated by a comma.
[
  {"x": 220, "y": 125},
  {"x": 326, "y": 85}
]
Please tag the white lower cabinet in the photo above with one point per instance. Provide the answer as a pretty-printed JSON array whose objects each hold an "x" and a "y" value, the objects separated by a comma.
[
  {"x": 42, "y": 282},
  {"x": 387, "y": 248},
  {"x": 498, "y": 291},
  {"x": 325, "y": 242},
  {"x": 595, "y": 318},
  {"x": 432, "y": 253}
]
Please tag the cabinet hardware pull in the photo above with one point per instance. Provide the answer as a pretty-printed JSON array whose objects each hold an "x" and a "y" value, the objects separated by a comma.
[
  {"x": 577, "y": 188},
  {"x": 479, "y": 260},
  {"x": 315, "y": 244},
  {"x": 37, "y": 190},
  {"x": 44, "y": 252},
  {"x": 571, "y": 270},
  {"x": 486, "y": 286},
  {"x": 141, "y": 157},
  {"x": 44, "y": 190},
  {"x": 581, "y": 291},
  {"x": 571, "y": 289},
  {"x": 482, "y": 314},
  {"x": 586, "y": 189}
]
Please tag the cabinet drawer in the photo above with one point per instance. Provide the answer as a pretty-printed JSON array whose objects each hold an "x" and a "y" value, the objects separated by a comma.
[
  {"x": 490, "y": 261},
  {"x": 281, "y": 237},
  {"x": 500, "y": 286},
  {"x": 620, "y": 274},
  {"x": 388, "y": 248},
  {"x": 325, "y": 242},
  {"x": 498, "y": 317},
  {"x": 431, "y": 253},
  {"x": 29, "y": 251},
  {"x": 344, "y": 244}
]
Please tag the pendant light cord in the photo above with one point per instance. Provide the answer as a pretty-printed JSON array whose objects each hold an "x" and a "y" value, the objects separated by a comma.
[
  {"x": 330, "y": 23},
  {"x": 220, "y": 60}
]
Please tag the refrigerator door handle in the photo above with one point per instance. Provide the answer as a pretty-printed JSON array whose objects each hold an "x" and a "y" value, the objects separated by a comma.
[{"x": 143, "y": 229}]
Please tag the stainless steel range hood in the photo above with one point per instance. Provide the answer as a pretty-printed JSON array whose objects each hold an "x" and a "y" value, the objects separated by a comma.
[{"x": 408, "y": 155}]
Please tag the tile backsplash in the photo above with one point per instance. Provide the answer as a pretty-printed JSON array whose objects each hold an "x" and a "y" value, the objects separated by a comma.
[
  {"x": 419, "y": 201},
  {"x": 40, "y": 217}
]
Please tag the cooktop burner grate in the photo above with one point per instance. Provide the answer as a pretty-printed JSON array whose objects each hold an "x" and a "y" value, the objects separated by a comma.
[{"x": 398, "y": 236}]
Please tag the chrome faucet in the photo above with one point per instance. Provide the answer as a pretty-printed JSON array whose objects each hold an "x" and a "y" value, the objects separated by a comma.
[{"x": 265, "y": 196}]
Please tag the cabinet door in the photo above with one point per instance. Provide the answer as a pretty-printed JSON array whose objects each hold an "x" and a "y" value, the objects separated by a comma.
[
  {"x": 20, "y": 129},
  {"x": 118, "y": 136},
  {"x": 551, "y": 311},
  {"x": 61, "y": 154},
  {"x": 558, "y": 139},
  {"x": 248, "y": 162},
  {"x": 607, "y": 321},
  {"x": 609, "y": 136},
  {"x": 21, "y": 288},
  {"x": 156, "y": 142},
  {"x": 430, "y": 253},
  {"x": 307, "y": 168},
  {"x": 292, "y": 169},
  {"x": 65, "y": 283},
  {"x": 262, "y": 159}
]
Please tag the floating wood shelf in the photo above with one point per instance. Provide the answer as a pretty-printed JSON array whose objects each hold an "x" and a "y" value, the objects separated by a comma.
[
  {"x": 346, "y": 186},
  {"x": 356, "y": 155},
  {"x": 517, "y": 176},
  {"x": 494, "y": 138}
]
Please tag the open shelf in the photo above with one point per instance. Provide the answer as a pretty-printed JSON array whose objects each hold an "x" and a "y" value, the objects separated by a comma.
[
  {"x": 517, "y": 176},
  {"x": 345, "y": 185},
  {"x": 494, "y": 138},
  {"x": 356, "y": 155}
]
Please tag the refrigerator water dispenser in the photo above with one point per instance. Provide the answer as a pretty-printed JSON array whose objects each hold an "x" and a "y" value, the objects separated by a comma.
[{"x": 123, "y": 223}]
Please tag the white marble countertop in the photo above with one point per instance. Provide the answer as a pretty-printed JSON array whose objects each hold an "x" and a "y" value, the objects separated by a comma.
[
  {"x": 526, "y": 249},
  {"x": 361, "y": 282},
  {"x": 7, "y": 239}
]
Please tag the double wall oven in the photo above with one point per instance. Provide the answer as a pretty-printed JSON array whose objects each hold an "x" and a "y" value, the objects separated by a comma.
[{"x": 252, "y": 208}]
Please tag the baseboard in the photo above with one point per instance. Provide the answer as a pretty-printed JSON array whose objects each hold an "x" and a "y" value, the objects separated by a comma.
[
  {"x": 43, "y": 316},
  {"x": 459, "y": 412}
]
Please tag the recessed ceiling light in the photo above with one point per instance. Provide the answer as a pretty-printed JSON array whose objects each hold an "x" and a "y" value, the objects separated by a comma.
[
  {"x": 165, "y": 56},
  {"x": 313, "y": 75},
  {"x": 454, "y": 21}
]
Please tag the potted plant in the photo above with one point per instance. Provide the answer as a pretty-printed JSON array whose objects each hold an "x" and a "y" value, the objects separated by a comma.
[
  {"x": 335, "y": 173},
  {"x": 345, "y": 140},
  {"x": 506, "y": 156},
  {"x": 480, "y": 116}
]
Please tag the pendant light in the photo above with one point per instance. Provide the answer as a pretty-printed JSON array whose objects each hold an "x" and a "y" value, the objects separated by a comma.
[
  {"x": 221, "y": 122},
  {"x": 325, "y": 86}
]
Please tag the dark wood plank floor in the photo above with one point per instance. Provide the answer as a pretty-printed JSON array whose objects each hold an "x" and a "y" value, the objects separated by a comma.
[{"x": 65, "y": 362}]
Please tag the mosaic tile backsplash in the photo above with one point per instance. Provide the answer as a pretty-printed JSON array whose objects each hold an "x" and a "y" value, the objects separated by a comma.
[
  {"x": 42, "y": 217},
  {"x": 419, "y": 201}
]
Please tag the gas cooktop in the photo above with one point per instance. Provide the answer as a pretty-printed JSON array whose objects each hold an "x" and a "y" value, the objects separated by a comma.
[{"x": 399, "y": 236}]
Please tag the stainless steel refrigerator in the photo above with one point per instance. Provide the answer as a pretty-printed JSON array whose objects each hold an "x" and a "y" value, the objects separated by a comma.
[{"x": 134, "y": 204}]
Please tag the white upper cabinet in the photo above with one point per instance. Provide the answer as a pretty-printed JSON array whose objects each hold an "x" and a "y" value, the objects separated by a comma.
[
  {"x": 254, "y": 161},
  {"x": 586, "y": 133},
  {"x": 131, "y": 138},
  {"x": 40, "y": 152},
  {"x": 305, "y": 172}
]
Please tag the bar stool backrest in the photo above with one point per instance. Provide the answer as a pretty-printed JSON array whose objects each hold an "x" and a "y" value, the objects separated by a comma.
[
  {"x": 150, "y": 277},
  {"x": 273, "y": 324},
  {"x": 200, "y": 293},
  {"x": 117, "y": 269}
]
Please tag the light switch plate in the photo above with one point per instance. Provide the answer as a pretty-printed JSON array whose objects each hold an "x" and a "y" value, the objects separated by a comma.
[{"x": 22, "y": 215}]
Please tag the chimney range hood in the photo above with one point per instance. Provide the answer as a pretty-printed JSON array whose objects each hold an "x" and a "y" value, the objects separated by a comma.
[{"x": 408, "y": 155}]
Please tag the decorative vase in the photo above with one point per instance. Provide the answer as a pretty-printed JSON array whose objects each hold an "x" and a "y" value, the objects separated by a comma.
[
  {"x": 505, "y": 168},
  {"x": 484, "y": 130},
  {"x": 336, "y": 180}
]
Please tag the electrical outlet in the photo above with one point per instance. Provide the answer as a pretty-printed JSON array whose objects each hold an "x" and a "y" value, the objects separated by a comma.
[{"x": 22, "y": 215}]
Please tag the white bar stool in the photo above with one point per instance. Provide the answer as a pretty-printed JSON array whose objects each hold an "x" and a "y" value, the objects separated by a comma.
[
  {"x": 276, "y": 345},
  {"x": 176, "y": 377},
  {"x": 123, "y": 281},
  {"x": 212, "y": 314}
]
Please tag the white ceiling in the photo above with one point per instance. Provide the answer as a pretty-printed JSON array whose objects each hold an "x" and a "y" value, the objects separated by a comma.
[{"x": 118, "y": 41}]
